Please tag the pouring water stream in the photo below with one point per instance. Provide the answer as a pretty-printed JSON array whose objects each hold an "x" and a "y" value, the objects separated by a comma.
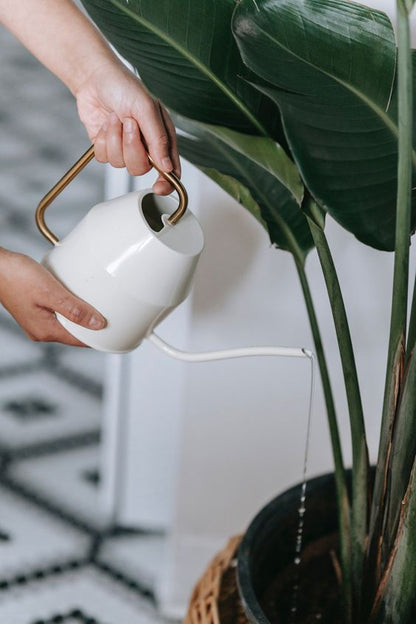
[{"x": 302, "y": 499}]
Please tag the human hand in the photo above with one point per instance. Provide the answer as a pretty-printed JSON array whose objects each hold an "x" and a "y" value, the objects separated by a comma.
[
  {"x": 32, "y": 296},
  {"x": 124, "y": 121}
]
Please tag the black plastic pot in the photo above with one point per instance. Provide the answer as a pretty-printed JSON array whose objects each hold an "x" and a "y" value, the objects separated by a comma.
[{"x": 268, "y": 545}]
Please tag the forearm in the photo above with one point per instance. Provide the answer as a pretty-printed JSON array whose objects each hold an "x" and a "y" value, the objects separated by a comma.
[
  {"x": 59, "y": 35},
  {"x": 122, "y": 119}
]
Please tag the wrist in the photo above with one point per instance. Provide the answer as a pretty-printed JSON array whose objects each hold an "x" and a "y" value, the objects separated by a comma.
[{"x": 86, "y": 66}]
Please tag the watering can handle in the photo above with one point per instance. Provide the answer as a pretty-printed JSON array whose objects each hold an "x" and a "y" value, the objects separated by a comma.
[{"x": 73, "y": 172}]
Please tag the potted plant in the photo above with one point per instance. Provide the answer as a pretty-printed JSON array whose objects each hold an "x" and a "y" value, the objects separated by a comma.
[{"x": 300, "y": 108}]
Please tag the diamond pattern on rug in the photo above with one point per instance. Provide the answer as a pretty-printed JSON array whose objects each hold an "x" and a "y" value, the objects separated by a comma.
[
  {"x": 34, "y": 539},
  {"x": 37, "y": 407},
  {"x": 79, "y": 499},
  {"x": 86, "y": 595}
]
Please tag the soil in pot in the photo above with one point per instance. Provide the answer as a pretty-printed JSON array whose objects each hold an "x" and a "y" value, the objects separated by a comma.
[{"x": 307, "y": 593}]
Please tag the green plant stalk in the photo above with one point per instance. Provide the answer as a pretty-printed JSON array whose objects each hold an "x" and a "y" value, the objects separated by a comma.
[
  {"x": 400, "y": 577},
  {"x": 397, "y": 340},
  {"x": 403, "y": 451},
  {"x": 343, "y": 505},
  {"x": 411, "y": 333},
  {"x": 358, "y": 437}
]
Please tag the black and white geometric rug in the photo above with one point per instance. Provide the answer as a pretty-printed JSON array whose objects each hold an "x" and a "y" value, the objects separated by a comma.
[{"x": 58, "y": 562}]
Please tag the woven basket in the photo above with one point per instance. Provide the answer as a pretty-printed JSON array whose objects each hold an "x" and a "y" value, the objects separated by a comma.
[{"x": 215, "y": 598}]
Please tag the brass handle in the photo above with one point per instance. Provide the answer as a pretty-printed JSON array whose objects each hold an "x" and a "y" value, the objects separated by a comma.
[{"x": 74, "y": 171}]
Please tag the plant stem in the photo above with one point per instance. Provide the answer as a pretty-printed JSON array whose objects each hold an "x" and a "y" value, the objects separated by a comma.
[
  {"x": 343, "y": 505},
  {"x": 411, "y": 337},
  {"x": 400, "y": 579},
  {"x": 403, "y": 451},
  {"x": 360, "y": 471},
  {"x": 397, "y": 340}
]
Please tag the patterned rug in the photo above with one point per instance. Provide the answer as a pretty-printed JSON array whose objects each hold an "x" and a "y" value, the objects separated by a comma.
[{"x": 59, "y": 562}]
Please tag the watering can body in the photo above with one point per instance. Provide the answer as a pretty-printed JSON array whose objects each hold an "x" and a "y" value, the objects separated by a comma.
[{"x": 132, "y": 264}]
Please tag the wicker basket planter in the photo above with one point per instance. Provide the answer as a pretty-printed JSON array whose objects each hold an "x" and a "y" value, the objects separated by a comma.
[{"x": 215, "y": 599}]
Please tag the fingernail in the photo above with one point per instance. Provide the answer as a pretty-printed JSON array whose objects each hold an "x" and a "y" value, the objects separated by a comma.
[
  {"x": 96, "y": 322},
  {"x": 167, "y": 164},
  {"x": 128, "y": 125}
]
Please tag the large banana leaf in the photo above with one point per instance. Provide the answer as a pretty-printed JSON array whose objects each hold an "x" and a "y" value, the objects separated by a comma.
[
  {"x": 186, "y": 55},
  {"x": 231, "y": 160},
  {"x": 330, "y": 66}
]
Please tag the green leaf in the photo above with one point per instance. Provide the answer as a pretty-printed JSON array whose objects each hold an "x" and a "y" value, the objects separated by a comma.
[
  {"x": 286, "y": 223},
  {"x": 266, "y": 153},
  {"x": 237, "y": 190},
  {"x": 186, "y": 55},
  {"x": 330, "y": 66}
]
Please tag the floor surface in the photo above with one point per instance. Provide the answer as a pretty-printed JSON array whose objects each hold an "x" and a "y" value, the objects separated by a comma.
[{"x": 58, "y": 563}]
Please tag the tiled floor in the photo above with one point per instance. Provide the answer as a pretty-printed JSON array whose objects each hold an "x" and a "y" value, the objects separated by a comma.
[{"x": 58, "y": 560}]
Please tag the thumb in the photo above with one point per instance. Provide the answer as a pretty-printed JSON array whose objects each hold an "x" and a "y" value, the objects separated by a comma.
[{"x": 76, "y": 310}]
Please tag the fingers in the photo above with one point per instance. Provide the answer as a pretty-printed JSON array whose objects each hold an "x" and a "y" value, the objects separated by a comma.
[
  {"x": 74, "y": 309},
  {"x": 100, "y": 143},
  {"x": 50, "y": 330},
  {"x": 155, "y": 134},
  {"x": 173, "y": 143},
  {"x": 161, "y": 186},
  {"x": 114, "y": 142},
  {"x": 32, "y": 295},
  {"x": 126, "y": 142},
  {"x": 57, "y": 299},
  {"x": 134, "y": 152}
]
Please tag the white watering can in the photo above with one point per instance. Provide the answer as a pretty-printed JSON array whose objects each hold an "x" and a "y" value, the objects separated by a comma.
[{"x": 132, "y": 258}]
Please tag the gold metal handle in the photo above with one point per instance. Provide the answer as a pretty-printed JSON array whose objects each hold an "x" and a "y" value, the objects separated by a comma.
[{"x": 74, "y": 171}]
